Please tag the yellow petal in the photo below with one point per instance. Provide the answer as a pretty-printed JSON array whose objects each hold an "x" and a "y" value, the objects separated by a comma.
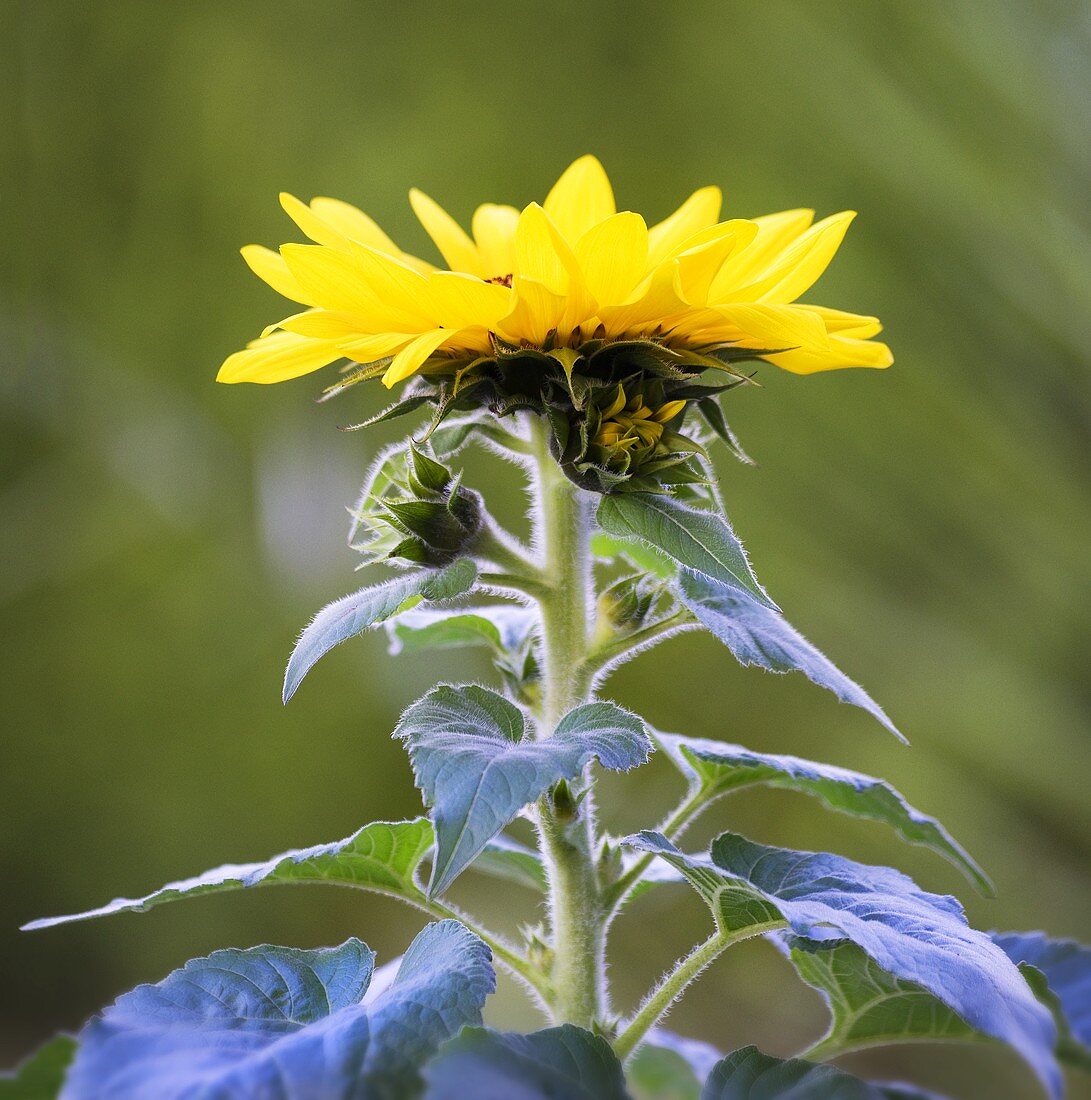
[
  {"x": 544, "y": 256},
  {"x": 775, "y": 327},
  {"x": 271, "y": 268},
  {"x": 846, "y": 324},
  {"x": 395, "y": 284},
  {"x": 353, "y": 224},
  {"x": 655, "y": 299},
  {"x": 310, "y": 224},
  {"x": 802, "y": 263},
  {"x": 277, "y": 358},
  {"x": 450, "y": 238},
  {"x": 581, "y": 198},
  {"x": 698, "y": 212},
  {"x": 367, "y": 349},
  {"x": 494, "y": 231},
  {"x": 410, "y": 358},
  {"x": 775, "y": 232},
  {"x": 335, "y": 281},
  {"x": 536, "y": 312},
  {"x": 462, "y": 301},
  {"x": 705, "y": 254},
  {"x": 613, "y": 256},
  {"x": 843, "y": 352},
  {"x": 326, "y": 324}
]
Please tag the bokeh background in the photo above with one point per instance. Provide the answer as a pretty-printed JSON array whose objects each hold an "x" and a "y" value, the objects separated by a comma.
[{"x": 164, "y": 538}]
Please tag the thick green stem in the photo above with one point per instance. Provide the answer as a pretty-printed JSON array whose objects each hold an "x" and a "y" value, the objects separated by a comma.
[{"x": 562, "y": 532}]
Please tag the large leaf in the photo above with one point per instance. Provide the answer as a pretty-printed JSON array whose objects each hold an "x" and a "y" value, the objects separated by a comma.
[
  {"x": 868, "y": 1005},
  {"x": 1066, "y": 967},
  {"x": 382, "y": 857},
  {"x": 42, "y": 1075},
  {"x": 720, "y": 768},
  {"x": 505, "y": 858},
  {"x": 748, "y": 1074},
  {"x": 559, "y": 1063},
  {"x": 477, "y": 764},
  {"x": 285, "y": 1023},
  {"x": 503, "y": 627},
  {"x": 692, "y": 537},
  {"x": 352, "y": 615},
  {"x": 759, "y": 635},
  {"x": 912, "y": 935}
]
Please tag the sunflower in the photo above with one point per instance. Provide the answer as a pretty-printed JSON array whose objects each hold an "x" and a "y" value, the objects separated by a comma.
[{"x": 568, "y": 278}]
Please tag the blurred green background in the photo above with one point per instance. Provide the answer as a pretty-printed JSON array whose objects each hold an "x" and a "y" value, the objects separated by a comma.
[{"x": 164, "y": 538}]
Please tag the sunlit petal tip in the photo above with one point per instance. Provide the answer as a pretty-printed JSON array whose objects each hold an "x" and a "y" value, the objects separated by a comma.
[{"x": 581, "y": 198}]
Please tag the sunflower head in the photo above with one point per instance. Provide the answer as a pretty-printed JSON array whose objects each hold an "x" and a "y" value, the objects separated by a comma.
[{"x": 551, "y": 308}]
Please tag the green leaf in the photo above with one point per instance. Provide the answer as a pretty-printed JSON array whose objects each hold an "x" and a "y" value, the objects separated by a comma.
[
  {"x": 1062, "y": 980},
  {"x": 478, "y": 765},
  {"x": 559, "y": 1063},
  {"x": 914, "y": 936},
  {"x": 868, "y": 1005},
  {"x": 285, "y": 1023},
  {"x": 759, "y": 635},
  {"x": 720, "y": 769},
  {"x": 382, "y": 857},
  {"x": 502, "y": 627},
  {"x": 505, "y": 858},
  {"x": 747, "y": 1074},
  {"x": 41, "y": 1076},
  {"x": 639, "y": 554},
  {"x": 352, "y": 615},
  {"x": 692, "y": 537},
  {"x": 656, "y": 1073}
]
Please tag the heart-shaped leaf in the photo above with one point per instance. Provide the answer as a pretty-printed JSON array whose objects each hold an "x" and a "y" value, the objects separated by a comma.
[
  {"x": 748, "y": 1074},
  {"x": 914, "y": 936},
  {"x": 757, "y": 634},
  {"x": 692, "y": 537},
  {"x": 42, "y": 1075},
  {"x": 559, "y": 1063},
  {"x": 276, "y": 1021},
  {"x": 503, "y": 627},
  {"x": 1066, "y": 967},
  {"x": 352, "y": 615},
  {"x": 719, "y": 768},
  {"x": 476, "y": 762},
  {"x": 382, "y": 857}
]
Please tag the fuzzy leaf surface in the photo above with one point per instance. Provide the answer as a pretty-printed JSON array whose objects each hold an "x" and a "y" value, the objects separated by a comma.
[
  {"x": 913, "y": 935},
  {"x": 748, "y": 1074},
  {"x": 693, "y": 537},
  {"x": 503, "y": 627},
  {"x": 760, "y": 635},
  {"x": 382, "y": 857},
  {"x": 1066, "y": 967},
  {"x": 477, "y": 763},
  {"x": 559, "y": 1063},
  {"x": 42, "y": 1075},
  {"x": 352, "y": 615},
  {"x": 722, "y": 768},
  {"x": 286, "y": 1023}
]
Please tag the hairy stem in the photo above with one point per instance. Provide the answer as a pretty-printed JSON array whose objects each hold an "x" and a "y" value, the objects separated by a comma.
[
  {"x": 562, "y": 531},
  {"x": 674, "y": 984}
]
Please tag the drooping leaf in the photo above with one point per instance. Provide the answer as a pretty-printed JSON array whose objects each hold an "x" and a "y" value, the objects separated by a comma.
[
  {"x": 1066, "y": 967},
  {"x": 508, "y": 859},
  {"x": 352, "y": 615},
  {"x": 502, "y": 627},
  {"x": 748, "y": 1074},
  {"x": 286, "y": 1023},
  {"x": 868, "y": 1005},
  {"x": 913, "y": 935},
  {"x": 695, "y": 538},
  {"x": 759, "y": 635},
  {"x": 721, "y": 768},
  {"x": 42, "y": 1075},
  {"x": 477, "y": 764},
  {"x": 382, "y": 857},
  {"x": 559, "y": 1063}
]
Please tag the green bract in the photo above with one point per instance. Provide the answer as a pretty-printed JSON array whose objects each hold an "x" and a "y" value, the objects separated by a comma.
[{"x": 628, "y": 544}]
